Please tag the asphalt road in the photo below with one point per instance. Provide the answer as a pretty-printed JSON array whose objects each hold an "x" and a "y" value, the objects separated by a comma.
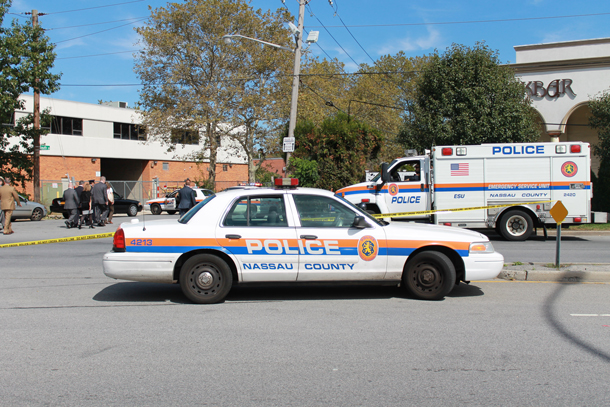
[{"x": 72, "y": 337}]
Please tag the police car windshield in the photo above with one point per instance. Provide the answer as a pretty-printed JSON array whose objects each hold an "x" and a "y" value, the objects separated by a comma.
[
  {"x": 187, "y": 216},
  {"x": 361, "y": 212}
]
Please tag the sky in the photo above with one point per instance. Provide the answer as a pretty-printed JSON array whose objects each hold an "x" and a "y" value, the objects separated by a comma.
[{"x": 95, "y": 39}]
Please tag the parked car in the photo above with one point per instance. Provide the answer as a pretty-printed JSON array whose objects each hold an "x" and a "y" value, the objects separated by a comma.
[
  {"x": 168, "y": 203},
  {"x": 121, "y": 205},
  {"x": 29, "y": 210}
]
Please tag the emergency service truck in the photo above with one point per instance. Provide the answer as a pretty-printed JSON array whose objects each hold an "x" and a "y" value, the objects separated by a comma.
[{"x": 513, "y": 185}]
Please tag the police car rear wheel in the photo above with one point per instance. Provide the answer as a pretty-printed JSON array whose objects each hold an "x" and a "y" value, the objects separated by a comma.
[
  {"x": 205, "y": 279},
  {"x": 429, "y": 275},
  {"x": 516, "y": 226},
  {"x": 155, "y": 209}
]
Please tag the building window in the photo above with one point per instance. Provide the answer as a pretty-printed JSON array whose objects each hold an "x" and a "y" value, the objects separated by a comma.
[
  {"x": 225, "y": 167},
  {"x": 127, "y": 131},
  {"x": 165, "y": 166},
  {"x": 181, "y": 136},
  {"x": 67, "y": 125}
]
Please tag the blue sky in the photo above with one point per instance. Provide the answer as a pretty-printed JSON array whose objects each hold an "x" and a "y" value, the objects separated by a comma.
[{"x": 105, "y": 28}]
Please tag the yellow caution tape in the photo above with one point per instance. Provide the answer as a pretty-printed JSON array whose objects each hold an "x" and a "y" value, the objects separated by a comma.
[
  {"x": 59, "y": 240},
  {"x": 402, "y": 214}
]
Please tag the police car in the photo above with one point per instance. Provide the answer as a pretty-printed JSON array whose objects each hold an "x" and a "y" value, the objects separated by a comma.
[
  {"x": 158, "y": 205},
  {"x": 290, "y": 234}
]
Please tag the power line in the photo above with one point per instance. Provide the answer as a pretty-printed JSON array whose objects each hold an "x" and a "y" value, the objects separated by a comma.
[
  {"x": 97, "y": 32},
  {"x": 87, "y": 25},
  {"x": 504, "y": 20},
  {"x": 91, "y": 8},
  {"x": 97, "y": 55}
]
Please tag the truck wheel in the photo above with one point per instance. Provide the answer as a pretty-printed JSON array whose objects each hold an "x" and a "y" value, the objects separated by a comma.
[
  {"x": 429, "y": 275},
  {"x": 155, "y": 209},
  {"x": 205, "y": 279},
  {"x": 516, "y": 225}
]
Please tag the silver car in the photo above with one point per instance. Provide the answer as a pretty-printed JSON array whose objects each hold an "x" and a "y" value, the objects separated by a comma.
[{"x": 29, "y": 210}]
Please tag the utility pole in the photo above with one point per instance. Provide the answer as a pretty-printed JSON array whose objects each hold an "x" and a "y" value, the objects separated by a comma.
[
  {"x": 36, "y": 126},
  {"x": 295, "y": 78}
]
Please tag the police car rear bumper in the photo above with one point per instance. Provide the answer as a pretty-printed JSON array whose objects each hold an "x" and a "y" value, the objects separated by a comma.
[
  {"x": 146, "y": 267},
  {"x": 483, "y": 266}
]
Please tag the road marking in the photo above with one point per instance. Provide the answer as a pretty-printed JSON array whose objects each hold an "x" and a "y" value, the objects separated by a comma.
[
  {"x": 59, "y": 240},
  {"x": 590, "y": 315}
]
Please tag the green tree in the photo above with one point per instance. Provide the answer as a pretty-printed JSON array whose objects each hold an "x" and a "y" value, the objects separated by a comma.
[
  {"x": 193, "y": 80},
  {"x": 339, "y": 147},
  {"x": 26, "y": 59},
  {"x": 600, "y": 120},
  {"x": 464, "y": 96}
]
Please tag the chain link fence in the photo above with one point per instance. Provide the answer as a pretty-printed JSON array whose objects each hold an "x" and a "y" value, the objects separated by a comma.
[{"x": 139, "y": 190}]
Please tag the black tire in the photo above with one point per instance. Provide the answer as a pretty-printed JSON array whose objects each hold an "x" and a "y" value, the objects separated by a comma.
[
  {"x": 155, "y": 209},
  {"x": 132, "y": 210},
  {"x": 37, "y": 214},
  {"x": 66, "y": 215},
  {"x": 171, "y": 212},
  {"x": 516, "y": 225},
  {"x": 205, "y": 279},
  {"x": 429, "y": 275}
]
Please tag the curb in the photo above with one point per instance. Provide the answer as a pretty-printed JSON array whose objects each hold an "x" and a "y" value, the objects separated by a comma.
[{"x": 569, "y": 273}]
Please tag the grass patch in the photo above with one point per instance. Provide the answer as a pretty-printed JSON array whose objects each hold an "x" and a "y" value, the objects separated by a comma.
[
  {"x": 584, "y": 226},
  {"x": 517, "y": 263}
]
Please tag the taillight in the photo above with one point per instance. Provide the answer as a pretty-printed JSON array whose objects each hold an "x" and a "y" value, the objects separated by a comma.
[
  {"x": 118, "y": 242},
  {"x": 577, "y": 220}
]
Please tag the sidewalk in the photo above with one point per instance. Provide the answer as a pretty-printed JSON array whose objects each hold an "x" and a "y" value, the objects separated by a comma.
[{"x": 572, "y": 273}]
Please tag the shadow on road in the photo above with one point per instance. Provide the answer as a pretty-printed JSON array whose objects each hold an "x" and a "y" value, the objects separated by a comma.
[
  {"x": 151, "y": 292},
  {"x": 563, "y": 331}
]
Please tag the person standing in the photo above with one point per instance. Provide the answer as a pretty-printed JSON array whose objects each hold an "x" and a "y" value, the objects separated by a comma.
[
  {"x": 1, "y": 211},
  {"x": 110, "y": 193},
  {"x": 86, "y": 211},
  {"x": 186, "y": 198},
  {"x": 71, "y": 204},
  {"x": 8, "y": 197},
  {"x": 100, "y": 200}
]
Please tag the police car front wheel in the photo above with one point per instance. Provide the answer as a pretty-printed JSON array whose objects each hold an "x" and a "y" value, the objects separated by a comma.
[
  {"x": 205, "y": 279},
  {"x": 430, "y": 275}
]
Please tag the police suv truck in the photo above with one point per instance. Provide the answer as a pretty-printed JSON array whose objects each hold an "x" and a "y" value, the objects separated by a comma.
[{"x": 513, "y": 185}]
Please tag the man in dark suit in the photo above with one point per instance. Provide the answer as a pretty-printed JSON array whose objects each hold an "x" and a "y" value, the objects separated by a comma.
[
  {"x": 100, "y": 201},
  {"x": 71, "y": 204},
  {"x": 186, "y": 198}
]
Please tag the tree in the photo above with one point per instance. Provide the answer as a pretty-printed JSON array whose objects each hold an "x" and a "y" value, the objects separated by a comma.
[
  {"x": 192, "y": 80},
  {"x": 339, "y": 147},
  {"x": 26, "y": 59},
  {"x": 465, "y": 96},
  {"x": 600, "y": 120}
]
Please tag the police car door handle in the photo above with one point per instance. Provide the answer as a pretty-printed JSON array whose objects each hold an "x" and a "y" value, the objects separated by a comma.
[
  {"x": 233, "y": 236},
  {"x": 309, "y": 237},
  {"x": 422, "y": 188}
]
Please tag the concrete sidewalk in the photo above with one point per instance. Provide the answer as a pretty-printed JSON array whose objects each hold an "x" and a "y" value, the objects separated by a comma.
[{"x": 572, "y": 273}]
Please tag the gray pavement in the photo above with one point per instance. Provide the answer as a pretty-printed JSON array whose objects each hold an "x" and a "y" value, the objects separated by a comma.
[{"x": 27, "y": 231}]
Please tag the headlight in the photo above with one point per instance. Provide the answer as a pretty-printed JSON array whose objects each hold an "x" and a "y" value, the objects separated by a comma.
[{"x": 481, "y": 247}]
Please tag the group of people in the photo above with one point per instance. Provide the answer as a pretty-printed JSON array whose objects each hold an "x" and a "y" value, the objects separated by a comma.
[
  {"x": 89, "y": 204},
  {"x": 8, "y": 198}
]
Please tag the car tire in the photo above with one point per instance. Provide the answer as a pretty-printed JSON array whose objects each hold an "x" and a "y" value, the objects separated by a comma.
[
  {"x": 155, "y": 209},
  {"x": 171, "y": 212},
  {"x": 37, "y": 214},
  {"x": 132, "y": 210},
  {"x": 205, "y": 279},
  {"x": 430, "y": 275},
  {"x": 516, "y": 225}
]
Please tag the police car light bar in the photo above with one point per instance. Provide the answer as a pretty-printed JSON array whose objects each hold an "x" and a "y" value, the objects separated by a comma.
[{"x": 286, "y": 182}]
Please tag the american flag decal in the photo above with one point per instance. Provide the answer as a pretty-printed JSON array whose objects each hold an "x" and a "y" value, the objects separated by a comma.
[{"x": 459, "y": 169}]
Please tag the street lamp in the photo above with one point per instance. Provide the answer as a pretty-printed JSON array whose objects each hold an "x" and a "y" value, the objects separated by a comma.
[{"x": 288, "y": 145}]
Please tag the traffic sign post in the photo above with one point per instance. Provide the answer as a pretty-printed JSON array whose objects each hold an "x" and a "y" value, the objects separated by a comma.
[
  {"x": 559, "y": 213},
  {"x": 289, "y": 143}
]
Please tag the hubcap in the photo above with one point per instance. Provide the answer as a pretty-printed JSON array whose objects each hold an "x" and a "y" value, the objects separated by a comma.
[
  {"x": 205, "y": 280},
  {"x": 426, "y": 276},
  {"x": 516, "y": 225}
]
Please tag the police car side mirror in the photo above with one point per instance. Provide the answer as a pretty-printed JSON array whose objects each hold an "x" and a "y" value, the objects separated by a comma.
[
  {"x": 360, "y": 223},
  {"x": 385, "y": 175}
]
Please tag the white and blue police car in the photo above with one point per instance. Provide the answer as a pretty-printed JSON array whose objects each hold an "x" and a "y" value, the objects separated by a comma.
[{"x": 290, "y": 234}]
